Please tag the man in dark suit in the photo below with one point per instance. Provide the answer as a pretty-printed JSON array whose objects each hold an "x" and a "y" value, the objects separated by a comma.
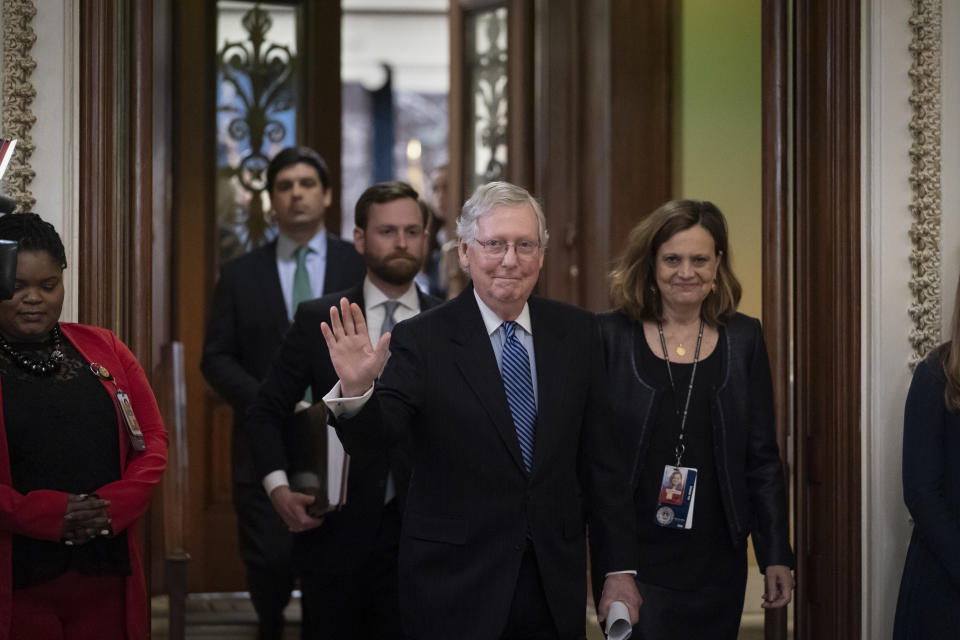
[
  {"x": 347, "y": 560},
  {"x": 501, "y": 396},
  {"x": 253, "y": 305}
]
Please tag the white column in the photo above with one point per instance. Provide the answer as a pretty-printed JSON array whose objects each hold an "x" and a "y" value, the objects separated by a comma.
[
  {"x": 56, "y": 132},
  {"x": 886, "y": 294}
]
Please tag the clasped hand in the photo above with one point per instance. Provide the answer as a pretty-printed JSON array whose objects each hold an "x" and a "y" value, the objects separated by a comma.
[
  {"x": 356, "y": 361},
  {"x": 85, "y": 518}
]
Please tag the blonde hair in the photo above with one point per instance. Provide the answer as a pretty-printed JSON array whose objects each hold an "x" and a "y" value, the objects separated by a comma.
[{"x": 633, "y": 287}]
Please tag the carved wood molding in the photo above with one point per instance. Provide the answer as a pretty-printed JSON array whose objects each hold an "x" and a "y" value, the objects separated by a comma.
[
  {"x": 925, "y": 102},
  {"x": 16, "y": 117}
]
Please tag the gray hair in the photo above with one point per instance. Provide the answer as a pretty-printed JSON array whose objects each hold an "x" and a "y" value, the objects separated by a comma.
[{"x": 492, "y": 195}]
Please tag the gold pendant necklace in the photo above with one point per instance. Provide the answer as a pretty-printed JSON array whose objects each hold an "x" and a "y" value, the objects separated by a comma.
[{"x": 681, "y": 350}]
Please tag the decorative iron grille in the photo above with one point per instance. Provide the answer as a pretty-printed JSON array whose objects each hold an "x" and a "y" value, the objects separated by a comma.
[{"x": 256, "y": 117}]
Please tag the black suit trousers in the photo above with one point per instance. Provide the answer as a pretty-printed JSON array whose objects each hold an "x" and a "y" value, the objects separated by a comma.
[{"x": 360, "y": 604}]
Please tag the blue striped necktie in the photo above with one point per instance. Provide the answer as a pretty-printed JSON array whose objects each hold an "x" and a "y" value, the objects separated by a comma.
[{"x": 515, "y": 369}]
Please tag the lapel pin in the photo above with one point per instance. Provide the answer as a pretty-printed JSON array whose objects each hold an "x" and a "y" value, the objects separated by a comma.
[{"x": 100, "y": 371}]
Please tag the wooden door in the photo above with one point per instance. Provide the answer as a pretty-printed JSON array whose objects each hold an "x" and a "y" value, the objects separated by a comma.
[
  {"x": 124, "y": 177},
  {"x": 215, "y": 563},
  {"x": 587, "y": 85}
]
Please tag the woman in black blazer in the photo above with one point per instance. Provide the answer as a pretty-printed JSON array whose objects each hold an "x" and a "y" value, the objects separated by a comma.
[
  {"x": 691, "y": 380},
  {"x": 929, "y": 602}
]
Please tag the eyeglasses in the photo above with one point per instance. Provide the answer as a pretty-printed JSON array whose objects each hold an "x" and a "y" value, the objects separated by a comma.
[{"x": 498, "y": 248}]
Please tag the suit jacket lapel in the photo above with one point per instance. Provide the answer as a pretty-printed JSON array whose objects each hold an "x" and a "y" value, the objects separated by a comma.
[
  {"x": 356, "y": 295},
  {"x": 426, "y": 301},
  {"x": 271, "y": 291},
  {"x": 478, "y": 364},
  {"x": 551, "y": 359}
]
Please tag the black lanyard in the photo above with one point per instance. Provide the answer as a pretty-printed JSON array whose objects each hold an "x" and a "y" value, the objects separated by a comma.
[{"x": 681, "y": 446}]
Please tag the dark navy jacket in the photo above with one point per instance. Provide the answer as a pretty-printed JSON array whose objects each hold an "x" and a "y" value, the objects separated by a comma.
[{"x": 929, "y": 602}]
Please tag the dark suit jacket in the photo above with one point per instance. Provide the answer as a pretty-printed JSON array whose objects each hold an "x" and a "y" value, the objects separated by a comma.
[
  {"x": 747, "y": 458},
  {"x": 930, "y": 587},
  {"x": 346, "y": 536},
  {"x": 471, "y": 507},
  {"x": 248, "y": 318}
]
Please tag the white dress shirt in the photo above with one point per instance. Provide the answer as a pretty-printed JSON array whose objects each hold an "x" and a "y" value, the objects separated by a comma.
[
  {"x": 374, "y": 312},
  {"x": 287, "y": 266}
]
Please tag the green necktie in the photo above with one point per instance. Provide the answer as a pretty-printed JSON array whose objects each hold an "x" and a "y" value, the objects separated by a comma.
[
  {"x": 302, "y": 291},
  {"x": 301, "y": 279}
]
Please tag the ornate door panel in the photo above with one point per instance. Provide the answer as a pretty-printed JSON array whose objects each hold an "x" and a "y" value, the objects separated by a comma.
[
  {"x": 244, "y": 77},
  {"x": 557, "y": 96}
]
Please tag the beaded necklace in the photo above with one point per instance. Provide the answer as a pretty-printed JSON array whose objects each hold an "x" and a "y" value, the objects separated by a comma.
[{"x": 37, "y": 367}]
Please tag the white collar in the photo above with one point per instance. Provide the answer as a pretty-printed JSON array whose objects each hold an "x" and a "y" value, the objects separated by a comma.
[
  {"x": 492, "y": 321},
  {"x": 372, "y": 296},
  {"x": 287, "y": 247}
]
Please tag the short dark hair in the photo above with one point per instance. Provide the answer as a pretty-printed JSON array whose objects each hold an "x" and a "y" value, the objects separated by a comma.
[
  {"x": 295, "y": 155},
  {"x": 384, "y": 192},
  {"x": 633, "y": 278},
  {"x": 33, "y": 233}
]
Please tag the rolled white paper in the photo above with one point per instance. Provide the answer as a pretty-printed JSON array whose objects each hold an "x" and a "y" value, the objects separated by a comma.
[{"x": 618, "y": 622}]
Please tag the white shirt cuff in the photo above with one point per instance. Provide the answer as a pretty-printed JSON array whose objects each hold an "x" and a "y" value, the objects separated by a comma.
[
  {"x": 613, "y": 573},
  {"x": 275, "y": 479},
  {"x": 345, "y": 407}
]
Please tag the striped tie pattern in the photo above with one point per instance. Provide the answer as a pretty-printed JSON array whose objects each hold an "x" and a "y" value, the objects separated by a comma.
[{"x": 515, "y": 369}]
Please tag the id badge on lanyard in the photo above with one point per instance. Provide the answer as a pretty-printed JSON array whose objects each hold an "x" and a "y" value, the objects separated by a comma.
[
  {"x": 126, "y": 409},
  {"x": 678, "y": 487},
  {"x": 678, "y": 491}
]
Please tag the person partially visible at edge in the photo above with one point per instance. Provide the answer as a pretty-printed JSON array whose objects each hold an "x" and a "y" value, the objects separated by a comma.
[
  {"x": 74, "y": 478},
  {"x": 929, "y": 601},
  {"x": 501, "y": 397},
  {"x": 253, "y": 305},
  {"x": 444, "y": 259},
  {"x": 691, "y": 380}
]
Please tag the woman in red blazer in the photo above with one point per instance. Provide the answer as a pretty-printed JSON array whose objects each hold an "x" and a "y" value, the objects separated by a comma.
[{"x": 82, "y": 445}]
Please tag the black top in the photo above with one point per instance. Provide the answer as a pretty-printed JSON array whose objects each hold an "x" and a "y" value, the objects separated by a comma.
[
  {"x": 703, "y": 555},
  {"x": 62, "y": 434}
]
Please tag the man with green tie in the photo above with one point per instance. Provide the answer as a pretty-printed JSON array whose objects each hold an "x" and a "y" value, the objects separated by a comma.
[{"x": 254, "y": 303}]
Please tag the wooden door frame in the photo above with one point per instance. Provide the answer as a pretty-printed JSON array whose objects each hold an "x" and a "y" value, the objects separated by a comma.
[
  {"x": 520, "y": 95},
  {"x": 124, "y": 282},
  {"x": 572, "y": 125},
  {"x": 124, "y": 173},
  {"x": 777, "y": 238},
  {"x": 811, "y": 223},
  {"x": 827, "y": 316}
]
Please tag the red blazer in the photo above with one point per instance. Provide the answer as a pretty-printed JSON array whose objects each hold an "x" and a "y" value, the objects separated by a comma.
[{"x": 39, "y": 514}]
